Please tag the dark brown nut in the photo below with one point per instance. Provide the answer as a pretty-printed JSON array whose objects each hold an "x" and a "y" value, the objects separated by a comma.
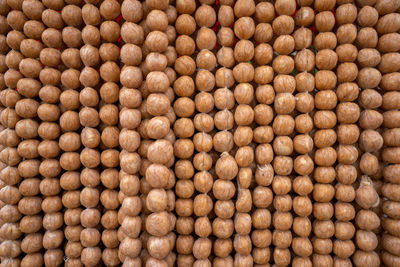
[
  {"x": 131, "y": 77},
  {"x": 388, "y": 43},
  {"x": 261, "y": 219},
  {"x": 264, "y": 12},
  {"x": 13, "y": 40},
  {"x": 369, "y": 57},
  {"x": 33, "y": 9},
  {"x": 52, "y": 38},
  {"x": 347, "y": 52},
  {"x": 346, "y": 174},
  {"x": 90, "y": 14},
  {"x": 326, "y": 59},
  {"x": 303, "y": 123},
  {"x": 371, "y": 140},
  {"x": 347, "y": 33},
  {"x": 385, "y": 7},
  {"x": 304, "y": 16},
  {"x": 324, "y": 119},
  {"x": 72, "y": 37},
  {"x": 205, "y": 16},
  {"x": 185, "y": 24},
  {"x": 346, "y": 13},
  {"x": 263, "y": 32},
  {"x": 225, "y": 16},
  {"x": 226, "y": 36},
  {"x": 283, "y": 7},
  {"x": 30, "y": 88},
  {"x": 325, "y": 80},
  {"x": 361, "y": 257},
  {"x": 284, "y": 44},
  {"x": 16, "y": 19},
  {"x": 303, "y": 38},
  {"x": 157, "y": 224},
  {"x": 304, "y": 60},
  {"x": 110, "y": 31},
  {"x": 367, "y": 16},
  {"x": 72, "y": 15},
  {"x": 348, "y": 112},
  {"x": 50, "y": 76},
  {"x": 367, "y": 220},
  {"x": 324, "y": 21},
  {"x": 91, "y": 35},
  {"x": 367, "y": 38},
  {"x": 30, "y": 68},
  {"x": 263, "y": 54},
  {"x": 387, "y": 64},
  {"x": 304, "y": 82},
  {"x": 131, "y": 54},
  {"x": 89, "y": 54},
  {"x": 132, "y": 11},
  {"x": 325, "y": 40},
  {"x": 283, "y": 24},
  {"x": 244, "y": 51},
  {"x": 347, "y": 92},
  {"x": 244, "y": 8},
  {"x": 390, "y": 81},
  {"x": 325, "y": 100},
  {"x": 388, "y": 23},
  {"x": 323, "y": 5},
  {"x": 369, "y": 78},
  {"x": 206, "y": 39},
  {"x": 285, "y": 64},
  {"x": 225, "y": 57}
]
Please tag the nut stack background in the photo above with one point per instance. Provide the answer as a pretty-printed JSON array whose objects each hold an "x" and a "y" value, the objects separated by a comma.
[{"x": 200, "y": 133}]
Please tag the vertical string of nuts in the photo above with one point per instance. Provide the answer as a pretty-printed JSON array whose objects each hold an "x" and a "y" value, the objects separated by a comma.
[
  {"x": 347, "y": 113},
  {"x": 388, "y": 45},
  {"x": 143, "y": 119},
  {"x": 367, "y": 241},
  {"x": 130, "y": 99},
  {"x": 70, "y": 142},
  {"x": 152, "y": 127},
  {"x": 263, "y": 135},
  {"x": 204, "y": 124},
  {"x": 223, "y": 189},
  {"x": 10, "y": 214},
  {"x": 4, "y": 131},
  {"x": 184, "y": 88},
  {"x": 206, "y": 61},
  {"x": 109, "y": 53},
  {"x": 8, "y": 137},
  {"x": 16, "y": 20},
  {"x": 244, "y": 73},
  {"x": 303, "y": 143},
  {"x": 49, "y": 130},
  {"x": 72, "y": 180},
  {"x": 370, "y": 141},
  {"x": 90, "y": 157},
  {"x": 325, "y": 136},
  {"x": 283, "y": 127},
  {"x": 159, "y": 222},
  {"x": 54, "y": 237},
  {"x": 171, "y": 55},
  {"x": 27, "y": 150},
  {"x": 50, "y": 186},
  {"x": 5, "y": 28}
]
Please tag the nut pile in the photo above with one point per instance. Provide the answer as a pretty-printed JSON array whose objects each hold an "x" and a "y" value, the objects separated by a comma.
[{"x": 200, "y": 133}]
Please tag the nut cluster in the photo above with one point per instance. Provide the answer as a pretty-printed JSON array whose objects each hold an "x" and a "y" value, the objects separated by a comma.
[{"x": 202, "y": 133}]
